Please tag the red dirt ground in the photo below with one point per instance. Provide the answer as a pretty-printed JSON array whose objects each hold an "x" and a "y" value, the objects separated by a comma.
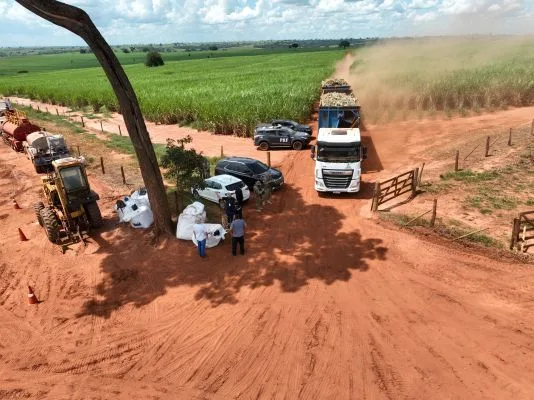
[{"x": 327, "y": 304}]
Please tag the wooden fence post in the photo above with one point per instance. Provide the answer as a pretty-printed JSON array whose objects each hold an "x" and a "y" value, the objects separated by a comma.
[
  {"x": 269, "y": 158},
  {"x": 515, "y": 231},
  {"x": 46, "y": 109},
  {"x": 38, "y": 109},
  {"x": 101, "y": 127},
  {"x": 487, "y": 147},
  {"x": 510, "y": 137},
  {"x": 374, "y": 205},
  {"x": 456, "y": 160},
  {"x": 420, "y": 175},
  {"x": 414, "y": 181},
  {"x": 123, "y": 177},
  {"x": 120, "y": 132},
  {"x": 222, "y": 152},
  {"x": 434, "y": 210},
  {"x": 57, "y": 112},
  {"x": 102, "y": 165},
  {"x": 83, "y": 123},
  {"x": 532, "y": 128},
  {"x": 78, "y": 148}
]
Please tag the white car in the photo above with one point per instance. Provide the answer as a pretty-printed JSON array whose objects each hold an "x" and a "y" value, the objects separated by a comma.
[{"x": 217, "y": 187}]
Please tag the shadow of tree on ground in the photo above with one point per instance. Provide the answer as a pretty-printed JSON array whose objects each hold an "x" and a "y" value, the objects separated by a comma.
[{"x": 292, "y": 242}]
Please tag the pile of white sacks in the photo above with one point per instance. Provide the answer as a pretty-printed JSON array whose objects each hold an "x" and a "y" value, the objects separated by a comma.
[
  {"x": 196, "y": 214},
  {"x": 135, "y": 209}
]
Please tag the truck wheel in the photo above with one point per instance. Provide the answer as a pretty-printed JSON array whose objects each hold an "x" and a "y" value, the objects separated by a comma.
[
  {"x": 93, "y": 214},
  {"x": 38, "y": 207},
  {"x": 297, "y": 145},
  {"x": 264, "y": 146},
  {"x": 51, "y": 224},
  {"x": 39, "y": 169}
]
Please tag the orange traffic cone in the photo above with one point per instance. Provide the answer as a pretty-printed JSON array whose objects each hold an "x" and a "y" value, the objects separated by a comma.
[
  {"x": 16, "y": 205},
  {"x": 32, "y": 298},
  {"x": 22, "y": 236}
]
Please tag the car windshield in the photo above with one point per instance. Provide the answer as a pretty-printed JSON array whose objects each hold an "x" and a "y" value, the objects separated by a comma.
[
  {"x": 73, "y": 179},
  {"x": 258, "y": 167},
  {"x": 235, "y": 186},
  {"x": 334, "y": 152}
]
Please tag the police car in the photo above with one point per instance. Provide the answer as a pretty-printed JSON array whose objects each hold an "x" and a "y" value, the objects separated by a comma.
[{"x": 276, "y": 136}]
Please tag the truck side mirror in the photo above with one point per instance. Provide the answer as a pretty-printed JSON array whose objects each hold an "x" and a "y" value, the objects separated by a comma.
[
  {"x": 312, "y": 155},
  {"x": 364, "y": 153}
]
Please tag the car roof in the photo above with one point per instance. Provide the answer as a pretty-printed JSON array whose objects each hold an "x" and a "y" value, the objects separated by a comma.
[
  {"x": 244, "y": 160},
  {"x": 224, "y": 179}
]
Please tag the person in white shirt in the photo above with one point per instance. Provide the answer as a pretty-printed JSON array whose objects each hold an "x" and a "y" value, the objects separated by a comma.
[{"x": 199, "y": 231}]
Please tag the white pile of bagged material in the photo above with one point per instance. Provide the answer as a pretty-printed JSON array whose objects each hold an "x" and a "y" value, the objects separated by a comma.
[
  {"x": 195, "y": 214},
  {"x": 135, "y": 209}
]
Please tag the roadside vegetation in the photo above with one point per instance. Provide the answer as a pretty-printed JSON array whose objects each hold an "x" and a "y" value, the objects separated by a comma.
[
  {"x": 400, "y": 78},
  {"x": 224, "y": 95}
]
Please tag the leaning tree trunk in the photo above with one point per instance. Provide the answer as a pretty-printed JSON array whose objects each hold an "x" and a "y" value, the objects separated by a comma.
[{"x": 78, "y": 22}]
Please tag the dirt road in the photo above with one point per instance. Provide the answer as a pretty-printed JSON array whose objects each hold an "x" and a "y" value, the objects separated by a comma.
[
  {"x": 203, "y": 141},
  {"x": 326, "y": 304}
]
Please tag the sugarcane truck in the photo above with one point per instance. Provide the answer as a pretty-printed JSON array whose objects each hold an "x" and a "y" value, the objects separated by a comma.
[{"x": 338, "y": 153}]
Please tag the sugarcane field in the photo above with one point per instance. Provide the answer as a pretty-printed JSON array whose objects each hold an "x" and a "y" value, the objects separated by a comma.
[{"x": 235, "y": 214}]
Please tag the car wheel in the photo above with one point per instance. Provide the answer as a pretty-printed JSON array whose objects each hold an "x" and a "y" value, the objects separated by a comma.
[
  {"x": 297, "y": 145},
  {"x": 222, "y": 204},
  {"x": 264, "y": 146},
  {"x": 196, "y": 195}
]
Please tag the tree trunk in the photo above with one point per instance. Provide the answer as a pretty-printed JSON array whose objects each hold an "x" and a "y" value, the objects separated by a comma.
[{"x": 78, "y": 22}]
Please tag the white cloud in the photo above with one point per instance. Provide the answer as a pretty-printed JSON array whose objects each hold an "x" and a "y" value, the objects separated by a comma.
[{"x": 165, "y": 21}]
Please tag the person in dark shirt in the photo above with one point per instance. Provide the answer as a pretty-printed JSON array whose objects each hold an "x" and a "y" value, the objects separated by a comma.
[
  {"x": 239, "y": 202},
  {"x": 230, "y": 207},
  {"x": 237, "y": 230}
]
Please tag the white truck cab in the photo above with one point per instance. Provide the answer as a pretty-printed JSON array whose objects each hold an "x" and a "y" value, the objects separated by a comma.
[{"x": 338, "y": 155}]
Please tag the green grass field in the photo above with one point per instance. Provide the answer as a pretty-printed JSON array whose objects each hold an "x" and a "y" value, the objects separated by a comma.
[
  {"x": 224, "y": 94},
  {"x": 449, "y": 75}
]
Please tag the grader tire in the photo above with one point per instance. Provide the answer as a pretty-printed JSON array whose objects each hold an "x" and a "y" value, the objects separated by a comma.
[
  {"x": 38, "y": 207},
  {"x": 51, "y": 224},
  {"x": 93, "y": 215}
]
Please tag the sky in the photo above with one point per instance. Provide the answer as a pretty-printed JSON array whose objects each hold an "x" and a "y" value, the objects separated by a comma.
[{"x": 168, "y": 21}]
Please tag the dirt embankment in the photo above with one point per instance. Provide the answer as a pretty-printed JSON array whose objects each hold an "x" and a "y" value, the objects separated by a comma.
[{"x": 326, "y": 304}]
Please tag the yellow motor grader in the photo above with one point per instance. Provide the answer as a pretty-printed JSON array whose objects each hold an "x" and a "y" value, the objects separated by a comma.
[{"x": 71, "y": 204}]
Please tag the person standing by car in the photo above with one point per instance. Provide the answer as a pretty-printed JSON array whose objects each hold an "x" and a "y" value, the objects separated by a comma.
[
  {"x": 237, "y": 230},
  {"x": 200, "y": 233},
  {"x": 239, "y": 202},
  {"x": 229, "y": 207},
  {"x": 258, "y": 195},
  {"x": 267, "y": 189}
]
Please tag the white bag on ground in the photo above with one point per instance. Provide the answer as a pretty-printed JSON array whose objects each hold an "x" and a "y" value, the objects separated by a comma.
[
  {"x": 142, "y": 217},
  {"x": 216, "y": 234},
  {"x": 135, "y": 210},
  {"x": 193, "y": 214},
  {"x": 140, "y": 196}
]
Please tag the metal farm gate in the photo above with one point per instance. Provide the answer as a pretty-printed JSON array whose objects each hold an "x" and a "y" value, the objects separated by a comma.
[{"x": 394, "y": 187}]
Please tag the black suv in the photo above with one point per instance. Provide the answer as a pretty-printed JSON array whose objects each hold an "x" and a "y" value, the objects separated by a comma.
[
  {"x": 274, "y": 136},
  {"x": 293, "y": 125},
  {"x": 248, "y": 170}
]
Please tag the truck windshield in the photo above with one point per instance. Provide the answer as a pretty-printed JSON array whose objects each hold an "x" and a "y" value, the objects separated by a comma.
[
  {"x": 73, "y": 179},
  {"x": 336, "y": 152}
]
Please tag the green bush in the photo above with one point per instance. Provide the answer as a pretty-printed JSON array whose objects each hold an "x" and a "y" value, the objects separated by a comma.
[{"x": 153, "y": 59}]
